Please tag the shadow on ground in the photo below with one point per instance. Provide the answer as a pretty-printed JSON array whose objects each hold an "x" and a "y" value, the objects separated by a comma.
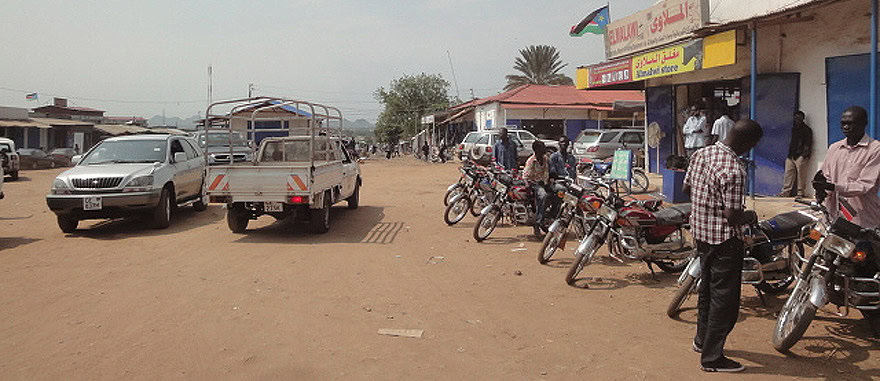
[
  {"x": 361, "y": 225},
  {"x": 183, "y": 219},
  {"x": 11, "y": 242}
]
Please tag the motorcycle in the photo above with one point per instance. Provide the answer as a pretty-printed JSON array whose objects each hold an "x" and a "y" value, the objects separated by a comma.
[
  {"x": 636, "y": 231},
  {"x": 771, "y": 249},
  {"x": 577, "y": 214},
  {"x": 477, "y": 194},
  {"x": 513, "y": 199},
  {"x": 842, "y": 270}
]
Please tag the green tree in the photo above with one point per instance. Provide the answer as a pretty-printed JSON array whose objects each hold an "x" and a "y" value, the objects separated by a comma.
[
  {"x": 539, "y": 65},
  {"x": 406, "y": 100}
]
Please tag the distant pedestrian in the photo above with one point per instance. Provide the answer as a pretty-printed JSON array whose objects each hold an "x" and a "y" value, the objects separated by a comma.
[
  {"x": 695, "y": 130},
  {"x": 505, "y": 151},
  {"x": 76, "y": 149},
  {"x": 800, "y": 148},
  {"x": 722, "y": 127},
  {"x": 716, "y": 181},
  {"x": 425, "y": 150}
]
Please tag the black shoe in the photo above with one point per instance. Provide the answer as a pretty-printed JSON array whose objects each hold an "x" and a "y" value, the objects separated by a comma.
[
  {"x": 537, "y": 230},
  {"x": 697, "y": 348},
  {"x": 723, "y": 365}
]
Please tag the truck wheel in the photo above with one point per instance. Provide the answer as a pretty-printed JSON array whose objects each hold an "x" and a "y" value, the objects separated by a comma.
[
  {"x": 319, "y": 219},
  {"x": 162, "y": 213},
  {"x": 13, "y": 176},
  {"x": 237, "y": 219},
  {"x": 67, "y": 224},
  {"x": 355, "y": 199}
]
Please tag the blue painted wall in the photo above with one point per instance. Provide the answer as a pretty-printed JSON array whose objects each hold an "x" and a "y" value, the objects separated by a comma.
[{"x": 847, "y": 83}]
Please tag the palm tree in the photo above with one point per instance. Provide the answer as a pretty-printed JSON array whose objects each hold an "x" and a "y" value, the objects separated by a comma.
[{"x": 539, "y": 65}]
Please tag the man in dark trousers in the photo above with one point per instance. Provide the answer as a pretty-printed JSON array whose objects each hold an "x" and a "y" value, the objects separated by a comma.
[
  {"x": 505, "y": 151},
  {"x": 716, "y": 181},
  {"x": 799, "y": 150},
  {"x": 425, "y": 151}
]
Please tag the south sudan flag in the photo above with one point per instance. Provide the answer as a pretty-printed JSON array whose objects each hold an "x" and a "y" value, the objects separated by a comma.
[{"x": 594, "y": 23}]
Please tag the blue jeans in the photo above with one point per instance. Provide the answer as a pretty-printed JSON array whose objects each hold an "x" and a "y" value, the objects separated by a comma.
[{"x": 540, "y": 202}]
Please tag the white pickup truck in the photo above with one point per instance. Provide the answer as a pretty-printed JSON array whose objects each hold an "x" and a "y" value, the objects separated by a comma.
[{"x": 299, "y": 176}]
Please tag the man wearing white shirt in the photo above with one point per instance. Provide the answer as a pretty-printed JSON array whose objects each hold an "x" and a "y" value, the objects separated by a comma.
[
  {"x": 695, "y": 131},
  {"x": 721, "y": 127}
]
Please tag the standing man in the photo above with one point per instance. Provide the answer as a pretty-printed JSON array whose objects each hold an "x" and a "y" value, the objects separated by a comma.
[
  {"x": 799, "y": 150},
  {"x": 721, "y": 127},
  {"x": 425, "y": 151},
  {"x": 695, "y": 131},
  {"x": 562, "y": 162},
  {"x": 537, "y": 174},
  {"x": 505, "y": 151},
  {"x": 716, "y": 181},
  {"x": 852, "y": 170}
]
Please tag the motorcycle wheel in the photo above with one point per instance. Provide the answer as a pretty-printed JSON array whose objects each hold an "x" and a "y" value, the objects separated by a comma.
[
  {"x": 456, "y": 210},
  {"x": 478, "y": 204},
  {"x": 795, "y": 317},
  {"x": 486, "y": 224},
  {"x": 684, "y": 291},
  {"x": 549, "y": 246},
  {"x": 582, "y": 259},
  {"x": 456, "y": 190},
  {"x": 778, "y": 286}
]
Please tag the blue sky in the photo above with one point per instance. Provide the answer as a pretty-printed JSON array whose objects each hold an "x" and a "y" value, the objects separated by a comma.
[{"x": 140, "y": 57}]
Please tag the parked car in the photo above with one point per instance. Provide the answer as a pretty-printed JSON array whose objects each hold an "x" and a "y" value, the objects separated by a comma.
[
  {"x": 601, "y": 144},
  {"x": 481, "y": 150},
  {"x": 128, "y": 176},
  {"x": 32, "y": 158},
  {"x": 217, "y": 145},
  {"x": 9, "y": 159},
  {"x": 527, "y": 138},
  {"x": 63, "y": 156}
]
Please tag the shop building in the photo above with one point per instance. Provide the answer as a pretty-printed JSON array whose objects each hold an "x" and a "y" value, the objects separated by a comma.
[{"x": 808, "y": 55}]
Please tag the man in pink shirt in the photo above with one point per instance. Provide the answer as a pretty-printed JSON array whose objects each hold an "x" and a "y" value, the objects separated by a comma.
[
  {"x": 852, "y": 167},
  {"x": 852, "y": 170}
]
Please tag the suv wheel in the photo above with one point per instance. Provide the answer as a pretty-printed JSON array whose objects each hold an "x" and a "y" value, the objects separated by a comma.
[
  {"x": 202, "y": 203},
  {"x": 67, "y": 224},
  {"x": 162, "y": 213}
]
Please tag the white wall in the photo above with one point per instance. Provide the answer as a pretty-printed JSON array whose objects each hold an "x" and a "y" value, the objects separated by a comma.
[
  {"x": 550, "y": 113},
  {"x": 490, "y": 111}
]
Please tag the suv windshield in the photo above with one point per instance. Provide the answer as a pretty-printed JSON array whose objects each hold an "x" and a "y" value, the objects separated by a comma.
[
  {"x": 589, "y": 137},
  {"x": 221, "y": 139},
  {"x": 127, "y": 151}
]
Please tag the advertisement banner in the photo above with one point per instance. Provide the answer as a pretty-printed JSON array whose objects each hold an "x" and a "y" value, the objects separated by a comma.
[
  {"x": 719, "y": 49},
  {"x": 660, "y": 24},
  {"x": 610, "y": 73},
  {"x": 675, "y": 59},
  {"x": 582, "y": 78}
]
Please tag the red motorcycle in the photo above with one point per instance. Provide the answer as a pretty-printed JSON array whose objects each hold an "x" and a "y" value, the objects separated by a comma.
[
  {"x": 513, "y": 199},
  {"x": 637, "y": 231}
]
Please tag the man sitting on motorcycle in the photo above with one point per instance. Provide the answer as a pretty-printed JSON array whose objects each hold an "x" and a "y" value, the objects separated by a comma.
[
  {"x": 536, "y": 174},
  {"x": 562, "y": 164}
]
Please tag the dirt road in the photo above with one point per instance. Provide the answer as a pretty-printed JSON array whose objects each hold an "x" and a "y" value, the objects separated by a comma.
[{"x": 118, "y": 300}]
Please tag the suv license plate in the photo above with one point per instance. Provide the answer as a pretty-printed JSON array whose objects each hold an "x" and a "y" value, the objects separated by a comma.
[
  {"x": 273, "y": 206},
  {"x": 93, "y": 203}
]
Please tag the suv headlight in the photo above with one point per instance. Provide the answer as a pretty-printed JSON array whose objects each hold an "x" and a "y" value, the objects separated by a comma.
[
  {"x": 59, "y": 187},
  {"x": 139, "y": 184}
]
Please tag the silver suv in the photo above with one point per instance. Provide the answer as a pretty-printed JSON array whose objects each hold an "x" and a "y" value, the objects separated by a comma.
[
  {"x": 479, "y": 146},
  {"x": 601, "y": 144},
  {"x": 131, "y": 175}
]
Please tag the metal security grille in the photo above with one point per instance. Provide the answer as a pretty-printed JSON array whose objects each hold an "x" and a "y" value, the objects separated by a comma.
[{"x": 97, "y": 183}]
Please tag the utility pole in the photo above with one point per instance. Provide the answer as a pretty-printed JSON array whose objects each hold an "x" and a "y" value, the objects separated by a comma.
[
  {"x": 250, "y": 90},
  {"x": 472, "y": 94},
  {"x": 210, "y": 84}
]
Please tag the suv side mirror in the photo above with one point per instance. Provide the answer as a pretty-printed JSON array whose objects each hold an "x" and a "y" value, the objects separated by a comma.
[
  {"x": 75, "y": 159},
  {"x": 179, "y": 157}
]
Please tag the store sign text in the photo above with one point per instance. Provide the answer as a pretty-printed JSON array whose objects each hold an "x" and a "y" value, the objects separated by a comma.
[{"x": 660, "y": 24}]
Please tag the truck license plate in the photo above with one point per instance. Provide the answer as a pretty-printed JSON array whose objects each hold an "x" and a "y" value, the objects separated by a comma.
[
  {"x": 273, "y": 206},
  {"x": 92, "y": 203}
]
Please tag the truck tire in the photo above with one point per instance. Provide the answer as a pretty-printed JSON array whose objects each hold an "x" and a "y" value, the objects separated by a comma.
[
  {"x": 237, "y": 218},
  {"x": 67, "y": 224},
  {"x": 319, "y": 219},
  {"x": 162, "y": 214},
  {"x": 355, "y": 199}
]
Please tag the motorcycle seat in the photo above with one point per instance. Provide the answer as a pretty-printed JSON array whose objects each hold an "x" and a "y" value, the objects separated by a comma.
[
  {"x": 785, "y": 226},
  {"x": 673, "y": 215},
  {"x": 510, "y": 181}
]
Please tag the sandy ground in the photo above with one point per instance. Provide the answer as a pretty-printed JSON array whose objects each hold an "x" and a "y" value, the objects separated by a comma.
[{"x": 118, "y": 300}]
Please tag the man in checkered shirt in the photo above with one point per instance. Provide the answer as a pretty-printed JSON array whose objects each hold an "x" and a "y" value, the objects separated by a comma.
[{"x": 716, "y": 181}]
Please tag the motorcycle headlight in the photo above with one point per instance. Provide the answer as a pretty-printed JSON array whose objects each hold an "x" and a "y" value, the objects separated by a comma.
[
  {"x": 839, "y": 245},
  {"x": 139, "y": 184},
  {"x": 59, "y": 187}
]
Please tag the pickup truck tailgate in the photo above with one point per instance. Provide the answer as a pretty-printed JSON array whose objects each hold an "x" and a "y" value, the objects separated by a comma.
[{"x": 258, "y": 183}]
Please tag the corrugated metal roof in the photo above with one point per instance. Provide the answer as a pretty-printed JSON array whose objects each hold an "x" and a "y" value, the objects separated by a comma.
[
  {"x": 562, "y": 96},
  {"x": 62, "y": 122},
  {"x": 730, "y": 11},
  {"x": 22, "y": 123}
]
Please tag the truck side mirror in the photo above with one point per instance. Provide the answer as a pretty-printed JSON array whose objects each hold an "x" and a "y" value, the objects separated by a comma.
[
  {"x": 75, "y": 159},
  {"x": 179, "y": 157}
]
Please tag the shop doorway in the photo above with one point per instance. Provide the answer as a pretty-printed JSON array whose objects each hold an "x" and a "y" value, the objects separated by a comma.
[{"x": 544, "y": 128}]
